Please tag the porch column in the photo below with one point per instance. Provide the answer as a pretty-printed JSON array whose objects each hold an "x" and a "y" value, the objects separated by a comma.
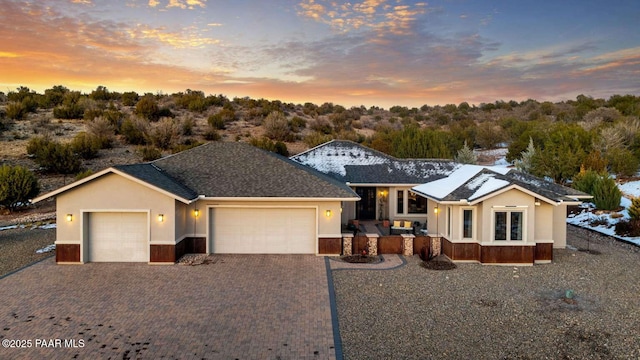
[
  {"x": 436, "y": 245},
  {"x": 372, "y": 245},
  {"x": 407, "y": 239},
  {"x": 347, "y": 241}
]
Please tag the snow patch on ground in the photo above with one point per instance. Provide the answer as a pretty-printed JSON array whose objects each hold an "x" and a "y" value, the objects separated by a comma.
[
  {"x": 587, "y": 218},
  {"x": 46, "y": 249}
]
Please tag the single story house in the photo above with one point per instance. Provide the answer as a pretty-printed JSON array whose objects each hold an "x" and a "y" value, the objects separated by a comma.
[
  {"x": 220, "y": 197},
  {"x": 481, "y": 214}
]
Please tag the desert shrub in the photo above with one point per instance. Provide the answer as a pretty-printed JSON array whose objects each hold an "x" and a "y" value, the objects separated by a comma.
[
  {"x": 129, "y": 98},
  {"x": 86, "y": 145},
  {"x": 321, "y": 125},
  {"x": 212, "y": 134},
  {"x": 147, "y": 107},
  {"x": 53, "y": 156},
  {"x": 634, "y": 209},
  {"x": 595, "y": 161},
  {"x": 165, "y": 134},
  {"x": 83, "y": 174},
  {"x": 606, "y": 194},
  {"x": 30, "y": 104},
  {"x": 216, "y": 121},
  {"x": 187, "y": 125},
  {"x": 103, "y": 132},
  {"x": 264, "y": 143},
  {"x": 316, "y": 138},
  {"x": 622, "y": 162},
  {"x": 629, "y": 228},
  {"x": 297, "y": 124},
  {"x": 135, "y": 130},
  {"x": 15, "y": 111},
  {"x": 17, "y": 186},
  {"x": 276, "y": 127},
  {"x": 186, "y": 145},
  {"x": 69, "y": 111},
  {"x": 149, "y": 153}
]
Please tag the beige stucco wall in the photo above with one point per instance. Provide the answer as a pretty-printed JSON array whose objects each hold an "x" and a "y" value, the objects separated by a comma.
[
  {"x": 544, "y": 222},
  {"x": 192, "y": 226},
  {"x": 113, "y": 193},
  {"x": 560, "y": 226},
  {"x": 511, "y": 198}
]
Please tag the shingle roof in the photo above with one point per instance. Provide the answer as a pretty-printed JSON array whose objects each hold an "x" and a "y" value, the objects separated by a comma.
[
  {"x": 471, "y": 182},
  {"x": 353, "y": 163},
  {"x": 156, "y": 177},
  {"x": 234, "y": 169}
]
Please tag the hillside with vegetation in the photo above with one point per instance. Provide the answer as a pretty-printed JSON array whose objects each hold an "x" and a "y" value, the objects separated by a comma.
[{"x": 62, "y": 134}]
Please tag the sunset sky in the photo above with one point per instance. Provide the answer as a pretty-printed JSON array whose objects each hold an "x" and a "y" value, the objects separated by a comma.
[{"x": 372, "y": 52}]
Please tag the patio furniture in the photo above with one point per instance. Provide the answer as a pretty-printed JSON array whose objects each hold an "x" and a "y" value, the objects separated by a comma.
[{"x": 402, "y": 227}]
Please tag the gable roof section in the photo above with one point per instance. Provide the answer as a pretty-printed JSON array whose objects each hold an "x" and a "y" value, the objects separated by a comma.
[
  {"x": 234, "y": 169},
  {"x": 353, "y": 163},
  {"x": 144, "y": 174},
  {"x": 472, "y": 184}
]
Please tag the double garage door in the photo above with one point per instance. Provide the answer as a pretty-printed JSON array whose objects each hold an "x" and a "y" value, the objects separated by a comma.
[
  {"x": 118, "y": 237},
  {"x": 263, "y": 230}
]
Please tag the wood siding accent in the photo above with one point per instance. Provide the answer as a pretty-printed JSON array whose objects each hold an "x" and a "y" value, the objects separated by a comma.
[
  {"x": 507, "y": 254},
  {"x": 461, "y": 251},
  {"x": 544, "y": 252},
  {"x": 329, "y": 246},
  {"x": 194, "y": 245},
  {"x": 162, "y": 253},
  {"x": 360, "y": 242},
  {"x": 69, "y": 253},
  {"x": 419, "y": 242},
  {"x": 390, "y": 244}
]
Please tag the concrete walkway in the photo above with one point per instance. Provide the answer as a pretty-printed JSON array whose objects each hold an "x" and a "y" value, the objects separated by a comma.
[{"x": 238, "y": 307}]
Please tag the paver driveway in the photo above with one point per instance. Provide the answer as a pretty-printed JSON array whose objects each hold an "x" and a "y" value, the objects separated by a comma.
[{"x": 239, "y": 307}]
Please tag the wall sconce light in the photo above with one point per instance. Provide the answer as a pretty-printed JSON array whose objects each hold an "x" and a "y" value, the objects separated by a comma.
[
  {"x": 436, "y": 210},
  {"x": 537, "y": 203},
  {"x": 160, "y": 217},
  {"x": 327, "y": 213},
  {"x": 196, "y": 212},
  {"x": 69, "y": 217}
]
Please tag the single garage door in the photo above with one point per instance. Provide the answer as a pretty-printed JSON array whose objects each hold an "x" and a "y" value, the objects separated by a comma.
[
  {"x": 263, "y": 231},
  {"x": 118, "y": 236}
]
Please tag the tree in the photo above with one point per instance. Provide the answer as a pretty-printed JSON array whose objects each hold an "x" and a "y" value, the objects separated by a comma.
[
  {"x": 17, "y": 186},
  {"x": 466, "y": 155},
  {"x": 606, "y": 194},
  {"x": 634, "y": 209},
  {"x": 525, "y": 163}
]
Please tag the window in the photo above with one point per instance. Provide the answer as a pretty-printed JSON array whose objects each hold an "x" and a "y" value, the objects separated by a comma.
[
  {"x": 400, "y": 202},
  {"x": 467, "y": 223},
  {"x": 513, "y": 221},
  {"x": 417, "y": 204}
]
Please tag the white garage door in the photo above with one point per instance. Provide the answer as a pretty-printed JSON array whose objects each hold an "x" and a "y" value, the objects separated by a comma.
[
  {"x": 263, "y": 231},
  {"x": 118, "y": 236}
]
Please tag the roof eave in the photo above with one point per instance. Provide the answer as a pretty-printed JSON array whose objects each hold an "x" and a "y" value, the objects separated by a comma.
[{"x": 283, "y": 199}]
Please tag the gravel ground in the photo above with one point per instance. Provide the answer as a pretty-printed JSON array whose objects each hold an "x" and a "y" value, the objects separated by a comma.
[
  {"x": 18, "y": 247},
  {"x": 498, "y": 312}
]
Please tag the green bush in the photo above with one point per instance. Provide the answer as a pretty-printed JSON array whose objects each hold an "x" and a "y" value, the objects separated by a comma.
[
  {"x": 267, "y": 144},
  {"x": 216, "y": 121},
  {"x": 634, "y": 209},
  {"x": 212, "y": 134},
  {"x": 15, "y": 111},
  {"x": 622, "y": 162},
  {"x": 150, "y": 153},
  {"x": 53, "y": 156},
  {"x": 585, "y": 181},
  {"x": 297, "y": 124},
  {"x": 276, "y": 127},
  {"x": 17, "y": 186},
  {"x": 129, "y": 98},
  {"x": 606, "y": 194},
  {"x": 135, "y": 131},
  {"x": 147, "y": 107},
  {"x": 316, "y": 138},
  {"x": 165, "y": 134},
  {"x": 83, "y": 174},
  {"x": 72, "y": 111},
  {"x": 85, "y": 145}
]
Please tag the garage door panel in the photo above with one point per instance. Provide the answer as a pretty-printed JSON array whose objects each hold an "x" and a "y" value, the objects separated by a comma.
[
  {"x": 118, "y": 237},
  {"x": 263, "y": 230}
]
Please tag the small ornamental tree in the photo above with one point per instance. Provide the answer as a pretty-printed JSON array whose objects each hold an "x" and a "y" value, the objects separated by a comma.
[
  {"x": 466, "y": 155},
  {"x": 525, "y": 163},
  {"x": 17, "y": 186},
  {"x": 606, "y": 194},
  {"x": 634, "y": 209}
]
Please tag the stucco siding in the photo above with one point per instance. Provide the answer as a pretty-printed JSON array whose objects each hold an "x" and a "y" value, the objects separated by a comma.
[
  {"x": 560, "y": 227},
  {"x": 113, "y": 193},
  {"x": 544, "y": 222},
  {"x": 511, "y": 200}
]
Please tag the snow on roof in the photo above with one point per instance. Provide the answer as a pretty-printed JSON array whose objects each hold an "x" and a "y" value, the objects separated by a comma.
[
  {"x": 483, "y": 184},
  {"x": 333, "y": 157}
]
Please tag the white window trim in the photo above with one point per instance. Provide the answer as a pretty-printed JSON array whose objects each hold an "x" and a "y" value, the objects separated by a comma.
[
  {"x": 405, "y": 203},
  {"x": 474, "y": 225},
  {"x": 508, "y": 210}
]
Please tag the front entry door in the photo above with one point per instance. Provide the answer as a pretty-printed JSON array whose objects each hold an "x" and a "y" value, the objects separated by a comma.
[{"x": 366, "y": 207}]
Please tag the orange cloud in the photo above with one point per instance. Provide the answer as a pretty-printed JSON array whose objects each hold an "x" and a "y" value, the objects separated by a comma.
[{"x": 189, "y": 39}]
